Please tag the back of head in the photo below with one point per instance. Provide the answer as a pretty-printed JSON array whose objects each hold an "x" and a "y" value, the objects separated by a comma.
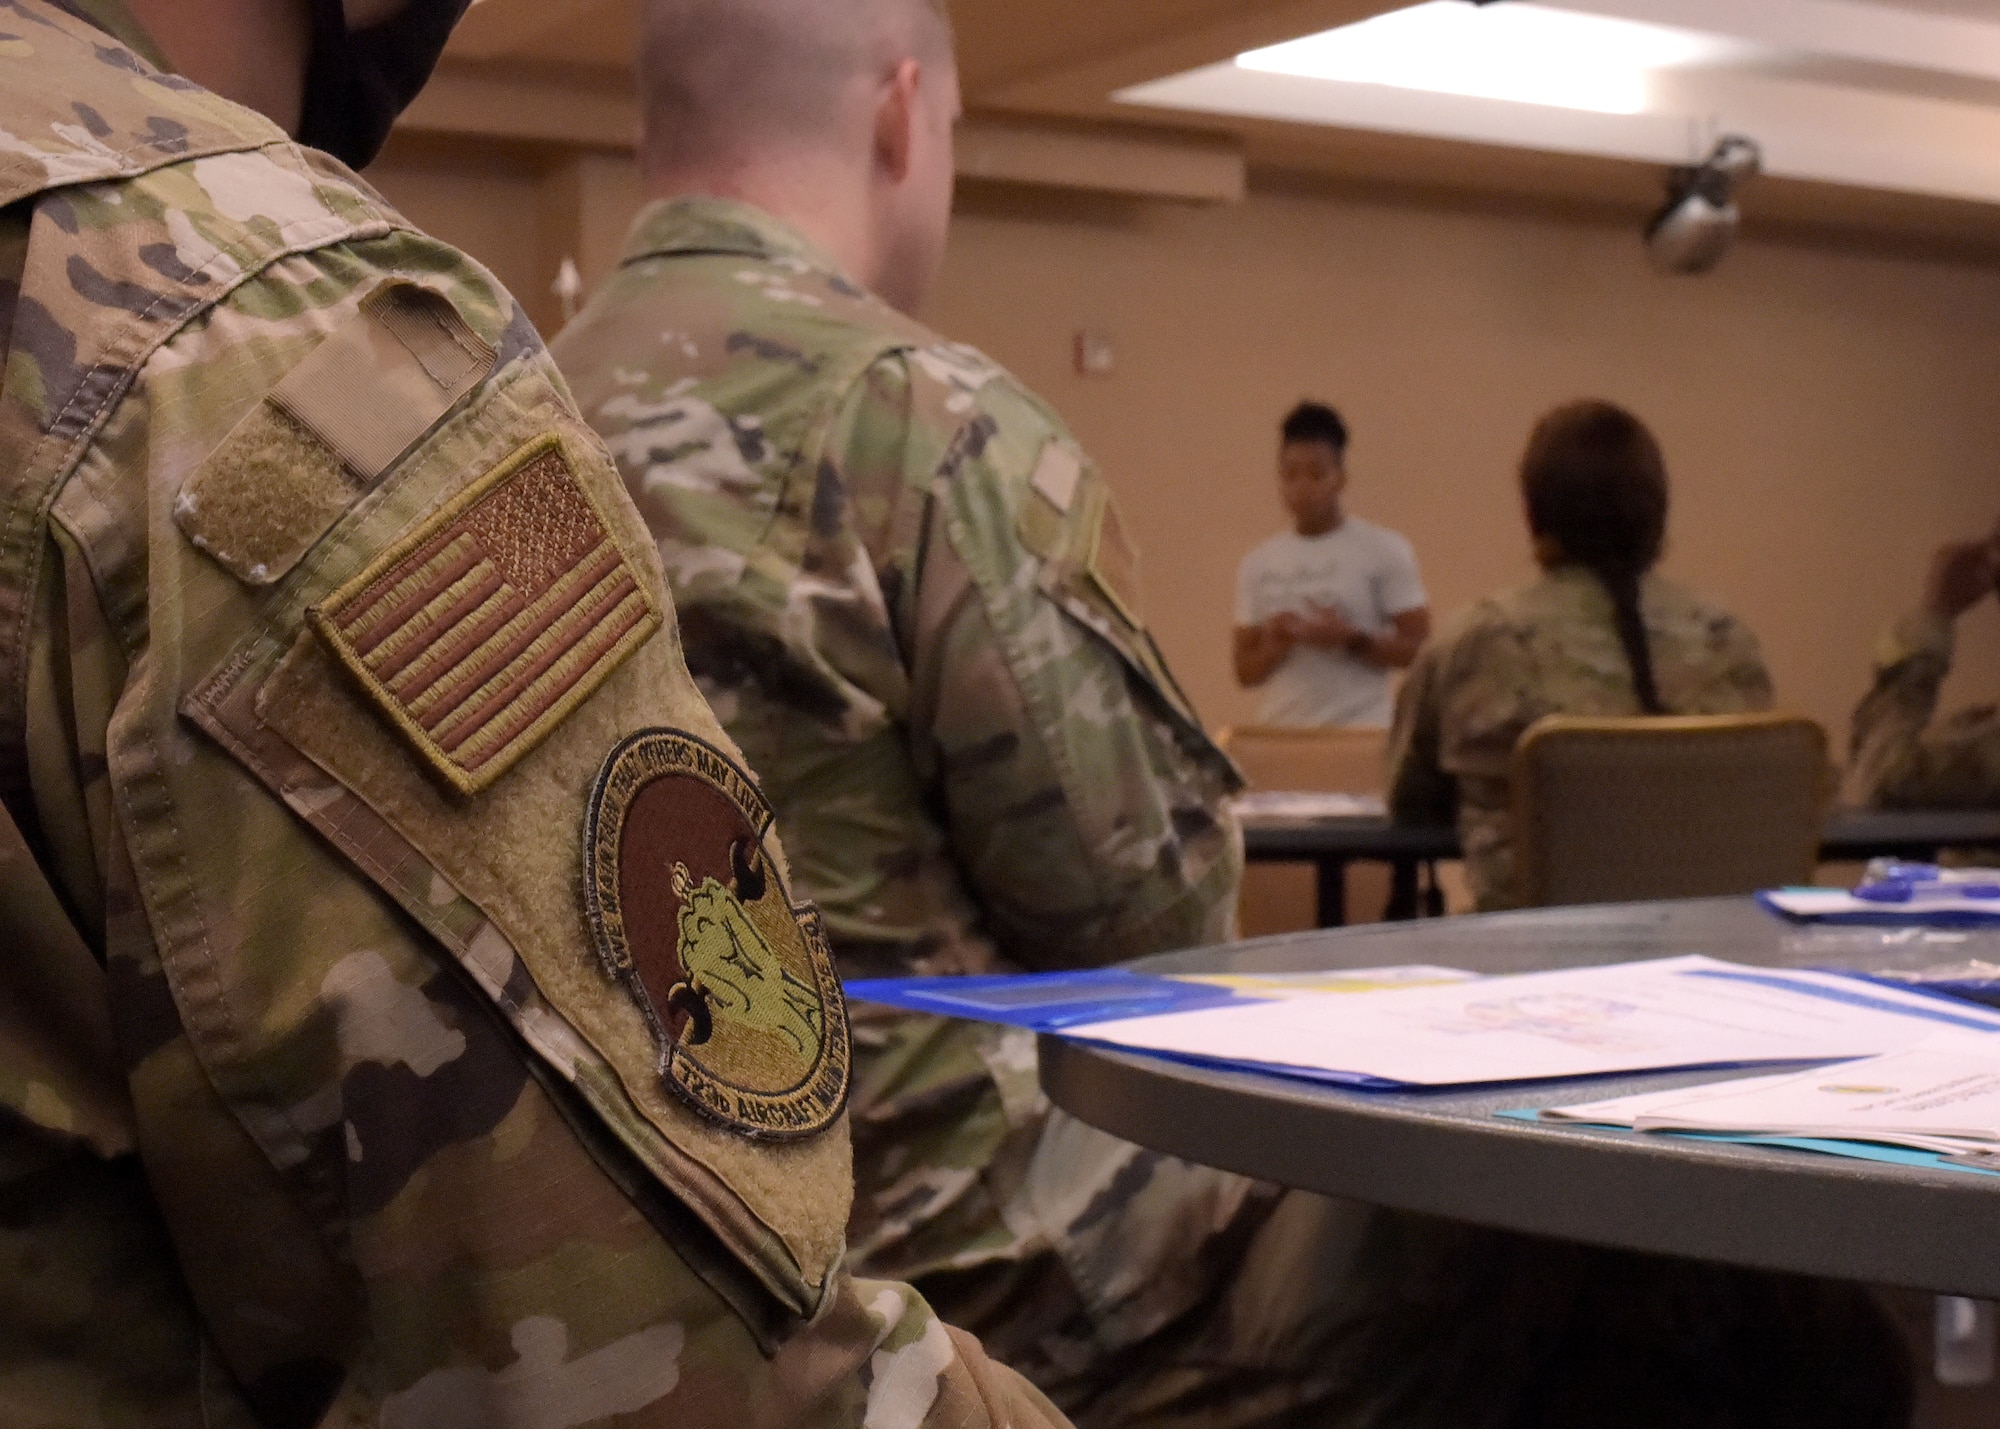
[
  {"x": 1595, "y": 485},
  {"x": 724, "y": 81}
]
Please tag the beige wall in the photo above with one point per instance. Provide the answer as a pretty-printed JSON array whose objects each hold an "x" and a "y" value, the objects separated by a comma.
[{"x": 1828, "y": 415}]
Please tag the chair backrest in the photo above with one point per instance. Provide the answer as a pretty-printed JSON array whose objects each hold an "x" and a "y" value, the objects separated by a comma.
[
  {"x": 1619, "y": 810},
  {"x": 1330, "y": 761}
]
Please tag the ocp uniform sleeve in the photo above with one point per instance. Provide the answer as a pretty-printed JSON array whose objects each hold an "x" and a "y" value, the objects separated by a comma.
[
  {"x": 1742, "y": 679},
  {"x": 1420, "y": 790},
  {"x": 415, "y": 1172},
  {"x": 1085, "y": 804},
  {"x": 1897, "y": 756}
]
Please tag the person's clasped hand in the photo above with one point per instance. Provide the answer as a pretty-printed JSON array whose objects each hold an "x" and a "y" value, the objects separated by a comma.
[
  {"x": 1328, "y": 629},
  {"x": 1963, "y": 574}
]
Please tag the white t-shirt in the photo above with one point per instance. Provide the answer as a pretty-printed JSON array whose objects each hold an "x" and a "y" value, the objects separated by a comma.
[{"x": 1366, "y": 572}]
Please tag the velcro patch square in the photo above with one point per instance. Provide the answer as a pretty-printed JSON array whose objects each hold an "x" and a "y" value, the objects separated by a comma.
[{"x": 479, "y": 632}]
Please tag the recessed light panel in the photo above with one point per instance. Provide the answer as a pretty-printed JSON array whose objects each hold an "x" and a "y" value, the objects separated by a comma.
[{"x": 1524, "y": 53}]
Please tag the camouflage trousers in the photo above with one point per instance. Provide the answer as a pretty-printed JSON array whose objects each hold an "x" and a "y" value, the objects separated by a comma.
[{"x": 1133, "y": 1288}]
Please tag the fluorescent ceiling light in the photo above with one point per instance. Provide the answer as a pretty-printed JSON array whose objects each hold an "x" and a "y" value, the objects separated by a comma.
[{"x": 1511, "y": 51}]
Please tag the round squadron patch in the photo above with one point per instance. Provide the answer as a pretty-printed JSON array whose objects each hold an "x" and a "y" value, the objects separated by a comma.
[{"x": 690, "y": 914}]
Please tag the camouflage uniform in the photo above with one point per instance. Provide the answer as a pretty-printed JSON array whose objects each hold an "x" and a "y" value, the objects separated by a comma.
[
  {"x": 1547, "y": 648},
  {"x": 1897, "y": 759},
  {"x": 907, "y": 593},
  {"x": 330, "y": 649}
]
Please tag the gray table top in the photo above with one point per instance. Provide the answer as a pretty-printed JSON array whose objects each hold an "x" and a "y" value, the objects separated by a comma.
[
  {"x": 1850, "y": 834},
  {"x": 1446, "y": 1153}
]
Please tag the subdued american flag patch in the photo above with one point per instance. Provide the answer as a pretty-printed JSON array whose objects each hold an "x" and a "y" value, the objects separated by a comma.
[{"x": 481, "y": 630}]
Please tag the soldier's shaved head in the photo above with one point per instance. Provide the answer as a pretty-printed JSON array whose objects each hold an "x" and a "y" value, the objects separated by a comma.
[
  {"x": 724, "y": 81},
  {"x": 834, "y": 116}
]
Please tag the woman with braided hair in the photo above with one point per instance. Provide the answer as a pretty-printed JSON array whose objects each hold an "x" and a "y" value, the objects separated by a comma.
[
  {"x": 1544, "y": 1334},
  {"x": 1598, "y": 634}
]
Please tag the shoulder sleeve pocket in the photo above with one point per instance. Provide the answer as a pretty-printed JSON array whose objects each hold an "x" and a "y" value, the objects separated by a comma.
[{"x": 330, "y": 430}]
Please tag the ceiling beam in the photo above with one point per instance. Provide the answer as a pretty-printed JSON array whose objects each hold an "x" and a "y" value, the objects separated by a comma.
[
  {"x": 597, "y": 111},
  {"x": 1134, "y": 163},
  {"x": 1221, "y": 35},
  {"x": 1004, "y": 45}
]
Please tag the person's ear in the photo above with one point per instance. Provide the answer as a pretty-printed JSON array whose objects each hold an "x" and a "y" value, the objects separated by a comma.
[{"x": 896, "y": 118}]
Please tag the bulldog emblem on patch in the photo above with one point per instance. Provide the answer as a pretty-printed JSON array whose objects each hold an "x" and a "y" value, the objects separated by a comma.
[{"x": 688, "y": 911}]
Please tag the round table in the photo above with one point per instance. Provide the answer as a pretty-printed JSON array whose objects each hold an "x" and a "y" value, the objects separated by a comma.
[{"x": 1446, "y": 1153}]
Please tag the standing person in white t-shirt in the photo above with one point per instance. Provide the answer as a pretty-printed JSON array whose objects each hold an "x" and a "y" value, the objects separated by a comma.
[{"x": 1325, "y": 611}]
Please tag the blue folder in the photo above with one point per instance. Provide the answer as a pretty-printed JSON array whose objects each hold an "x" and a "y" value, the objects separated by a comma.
[
  {"x": 1069, "y": 1002},
  {"x": 1045, "y": 1002}
]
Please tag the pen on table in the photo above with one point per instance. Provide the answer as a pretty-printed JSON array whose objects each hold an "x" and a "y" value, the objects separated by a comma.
[{"x": 1900, "y": 891}]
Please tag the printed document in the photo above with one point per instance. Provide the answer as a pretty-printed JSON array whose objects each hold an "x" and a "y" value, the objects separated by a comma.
[
  {"x": 1678, "y": 1012},
  {"x": 1940, "y": 1095}
]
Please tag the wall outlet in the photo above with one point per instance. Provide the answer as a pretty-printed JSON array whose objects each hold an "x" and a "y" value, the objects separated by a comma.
[{"x": 1096, "y": 356}]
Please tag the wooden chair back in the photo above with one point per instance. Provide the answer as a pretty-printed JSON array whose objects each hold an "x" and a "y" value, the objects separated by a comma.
[
  {"x": 1622, "y": 810},
  {"x": 1282, "y": 898}
]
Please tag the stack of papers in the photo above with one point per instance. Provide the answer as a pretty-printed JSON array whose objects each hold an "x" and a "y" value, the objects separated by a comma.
[
  {"x": 1680, "y": 1012},
  {"x": 1675, "y": 1013},
  {"x": 1283, "y": 806},
  {"x": 1892, "y": 1074},
  {"x": 1940, "y": 1096}
]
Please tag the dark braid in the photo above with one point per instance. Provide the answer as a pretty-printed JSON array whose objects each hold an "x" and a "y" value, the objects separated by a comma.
[
  {"x": 1596, "y": 485},
  {"x": 1631, "y": 625}
]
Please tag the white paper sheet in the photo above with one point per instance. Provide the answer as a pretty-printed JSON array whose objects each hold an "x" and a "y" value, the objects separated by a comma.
[
  {"x": 1626, "y": 1111},
  {"x": 1629, "y": 1111},
  {"x": 1947, "y": 1087},
  {"x": 1679, "y": 1012}
]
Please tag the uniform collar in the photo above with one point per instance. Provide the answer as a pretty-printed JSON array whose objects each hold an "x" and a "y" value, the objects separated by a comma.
[
  {"x": 1579, "y": 582},
  {"x": 115, "y": 20},
  {"x": 1577, "y": 574},
  {"x": 680, "y": 227}
]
